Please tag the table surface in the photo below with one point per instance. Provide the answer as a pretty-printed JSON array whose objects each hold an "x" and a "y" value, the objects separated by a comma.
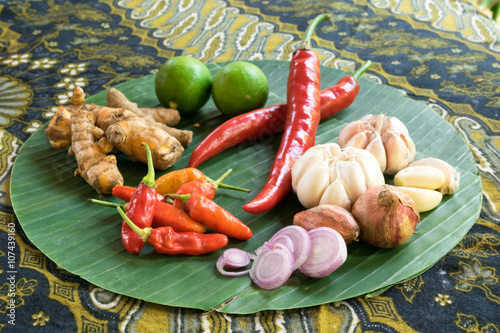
[{"x": 445, "y": 54}]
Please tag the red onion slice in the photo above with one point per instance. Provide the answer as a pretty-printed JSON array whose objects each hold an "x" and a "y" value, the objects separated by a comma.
[
  {"x": 272, "y": 267},
  {"x": 221, "y": 268},
  {"x": 283, "y": 239},
  {"x": 233, "y": 258},
  {"x": 300, "y": 239},
  {"x": 328, "y": 252},
  {"x": 236, "y": 258}
]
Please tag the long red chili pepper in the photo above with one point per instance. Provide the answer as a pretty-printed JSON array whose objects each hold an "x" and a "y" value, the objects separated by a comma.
[
  {"x": 167, "y": 241},
  {"x": 166, "y": 215},
  {"x": 213, "y": 216},
  {"x": 302, "y": 120},
  {"x": 271, "y": 120},
  {"x": 141, "y": 208}
]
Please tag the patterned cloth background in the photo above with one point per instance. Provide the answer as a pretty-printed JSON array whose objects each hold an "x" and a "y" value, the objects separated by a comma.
[{"x": 441, "y": 52}]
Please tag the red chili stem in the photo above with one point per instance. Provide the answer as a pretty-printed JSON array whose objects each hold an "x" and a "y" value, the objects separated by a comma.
[
  {"x": 218, "y": 183},
  {"x": 306, "y": 41},
  {"x": 143, "y": 233}
]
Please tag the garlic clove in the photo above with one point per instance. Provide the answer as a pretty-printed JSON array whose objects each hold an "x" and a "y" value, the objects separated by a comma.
[
  {"x": 421, "y": 176},
  {"x": 332, "y": 150},
  {"x": 302, "y": 165},
  {"x": 350, "y": 130},
  {"x": 376, "y": 148},
  {"x": 398, "y": 154},
  {"x": 360, "y": 140},
  {"x": 395, "y": 125},
  {"x": 425, "y": 199},
  {"x": 335, "y": 194},
  {"x": 452, "y": 176},
  {"x": 350, "y": 174},
  {"x": 312, "y": 184},
  {"x": 373, "y": 175}
]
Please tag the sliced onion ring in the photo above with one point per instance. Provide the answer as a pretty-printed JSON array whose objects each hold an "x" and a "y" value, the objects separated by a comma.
[
  {"x": 233, "y": 258},
  {"x": 236, "y": 258},
  {"x": 328, "y": 252},
  {"x": 301, "y": 242},
  {"x": 272, "y": 267}
]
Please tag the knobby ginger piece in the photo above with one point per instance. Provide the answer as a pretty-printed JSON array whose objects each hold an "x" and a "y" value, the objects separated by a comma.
[
  {"x": 163, "y": 116},
  {"x": 59, "y": 129},
  {"x": 126, "y": 131},
  {"x": 89, "y": 146}
]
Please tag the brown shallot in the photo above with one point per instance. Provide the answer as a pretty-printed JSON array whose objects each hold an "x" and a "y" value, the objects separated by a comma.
[{"x": 386, "y": 215}]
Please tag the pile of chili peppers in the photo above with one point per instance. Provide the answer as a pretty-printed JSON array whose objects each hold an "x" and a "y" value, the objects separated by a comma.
[
  {"x": 298, "y": 119},
  {"x": 173, "y": 212}
]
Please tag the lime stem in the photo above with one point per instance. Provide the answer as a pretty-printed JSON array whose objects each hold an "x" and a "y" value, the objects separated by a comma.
[
  {"x": 361, "y": 70},
  {"x": 306, "y": 42},
  {"x": 143, "y": 233},
  {"x": 149, "y": 179}
]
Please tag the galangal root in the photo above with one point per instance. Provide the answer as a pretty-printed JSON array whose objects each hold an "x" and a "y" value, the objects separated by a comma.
[{"x": 95, "y": 132}]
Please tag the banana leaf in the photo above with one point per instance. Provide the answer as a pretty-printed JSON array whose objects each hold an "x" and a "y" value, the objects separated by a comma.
[{"x": 53, "y": 209}]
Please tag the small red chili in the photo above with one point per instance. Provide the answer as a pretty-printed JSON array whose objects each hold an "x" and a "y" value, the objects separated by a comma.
[
  {"x": 141, "y": 208},
  {"x": 213, "y": 216},
  {"x": 302, "y": 120},
  {"x": 166, "y": 240}
]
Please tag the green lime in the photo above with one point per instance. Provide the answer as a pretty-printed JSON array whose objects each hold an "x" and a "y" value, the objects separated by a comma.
[
  {"x": 239, "y": 87},
  {"x": 183, "y": 83}
]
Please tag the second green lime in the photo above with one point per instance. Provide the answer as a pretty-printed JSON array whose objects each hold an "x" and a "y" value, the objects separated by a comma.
[
  {"x": 239, "y": 87},
  {"x": 183, "y": 83}
]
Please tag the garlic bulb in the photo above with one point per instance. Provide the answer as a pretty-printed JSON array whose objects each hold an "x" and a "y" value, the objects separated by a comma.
[
  {"x": 328, "y": 174},
  {"x": 387, "y": 138}
]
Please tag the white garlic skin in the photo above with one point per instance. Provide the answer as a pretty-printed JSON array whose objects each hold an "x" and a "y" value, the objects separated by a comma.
[
  {"x": 327, "y": 174},
  {"x": 386, "y": 138}
]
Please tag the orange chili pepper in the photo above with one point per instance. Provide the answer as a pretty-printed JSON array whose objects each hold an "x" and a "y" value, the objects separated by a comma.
[
  {"x": 172, "y": 181},
  {"x": 213, "y": 216}
]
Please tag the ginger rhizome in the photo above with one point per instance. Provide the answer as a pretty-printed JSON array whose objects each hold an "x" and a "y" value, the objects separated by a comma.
[
  {"x": 91, "y": 149},
  {"x": 96, "y": 132}
]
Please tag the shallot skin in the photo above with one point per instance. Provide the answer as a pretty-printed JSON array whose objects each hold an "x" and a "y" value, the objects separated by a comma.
[
  {"x": 387, "y": 216},
  {"x": 332, "y": 216}
]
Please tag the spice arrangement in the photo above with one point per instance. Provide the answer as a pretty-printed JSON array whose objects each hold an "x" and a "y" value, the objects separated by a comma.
[
  {"x": 170, "y": 277},
  {"x": 340, "y": 185}
]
